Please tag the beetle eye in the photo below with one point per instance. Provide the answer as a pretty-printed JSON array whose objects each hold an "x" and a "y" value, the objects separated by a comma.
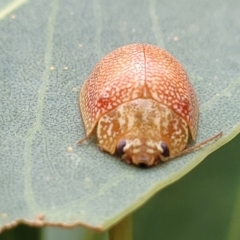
[
  {"x": 165, "y": 149},
  {"x": 120, "y": 147}
]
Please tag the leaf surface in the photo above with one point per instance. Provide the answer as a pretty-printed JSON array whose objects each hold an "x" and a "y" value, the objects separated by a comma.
[{"x": 48, "y": 49}]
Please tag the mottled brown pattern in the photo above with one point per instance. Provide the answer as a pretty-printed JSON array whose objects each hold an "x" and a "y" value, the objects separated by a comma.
[
  {"x": 143, "y": 119},
  {"x": 137, "y": 71},
  {"x": 168, "y": 83},
  {"x": 117, "y": 78},
  {"x": 139, "y": 96}
]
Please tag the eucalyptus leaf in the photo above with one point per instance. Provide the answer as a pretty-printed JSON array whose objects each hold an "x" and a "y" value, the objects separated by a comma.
[{"x": 48, "y": 49}]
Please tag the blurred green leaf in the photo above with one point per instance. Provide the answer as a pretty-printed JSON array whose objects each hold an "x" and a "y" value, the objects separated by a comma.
[
  {"x": 47, "y": 51},
  {"x": 202, "y": 205}
]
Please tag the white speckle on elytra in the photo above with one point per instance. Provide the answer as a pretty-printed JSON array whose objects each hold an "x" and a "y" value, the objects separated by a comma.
[
  {"x": 128, "y": 85},
  {"x": 134, "y": 95},
  {"x": 109, "y": 106},
  {"x": 108, "y": 89}
]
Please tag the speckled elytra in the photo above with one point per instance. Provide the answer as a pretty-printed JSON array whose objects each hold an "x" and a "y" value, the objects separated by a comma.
[{"x": 143, "y": 105}]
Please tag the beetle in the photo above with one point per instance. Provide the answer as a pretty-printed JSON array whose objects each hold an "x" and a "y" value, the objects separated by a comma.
[{"x": 143, "y": 105}]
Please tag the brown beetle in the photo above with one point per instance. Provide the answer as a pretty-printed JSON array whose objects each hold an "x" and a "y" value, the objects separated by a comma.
[{"x": 142, "y": 103}]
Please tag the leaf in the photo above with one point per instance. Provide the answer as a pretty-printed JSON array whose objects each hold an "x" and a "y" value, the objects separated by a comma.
[{"x": 47, "y": 51}]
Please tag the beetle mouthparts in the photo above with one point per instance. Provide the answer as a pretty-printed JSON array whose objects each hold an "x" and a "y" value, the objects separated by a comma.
[{"x": 140, "y": 159}]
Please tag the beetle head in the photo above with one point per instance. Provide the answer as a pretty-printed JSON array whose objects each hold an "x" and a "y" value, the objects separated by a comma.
[{"x": 142, "y": 152}]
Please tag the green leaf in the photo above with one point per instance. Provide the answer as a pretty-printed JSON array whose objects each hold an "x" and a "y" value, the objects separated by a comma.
[
  {"x": 202, "y": 205},
  {"x": 48, "y": 50}
]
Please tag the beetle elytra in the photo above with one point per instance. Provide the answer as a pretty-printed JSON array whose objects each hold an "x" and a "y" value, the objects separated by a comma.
[{"x": 141, "y": 102}]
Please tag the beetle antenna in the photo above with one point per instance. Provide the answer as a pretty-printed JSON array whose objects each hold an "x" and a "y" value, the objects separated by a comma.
[
  {"x": 84, "y": 139},
  {"x": 195, "y": 147}
]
